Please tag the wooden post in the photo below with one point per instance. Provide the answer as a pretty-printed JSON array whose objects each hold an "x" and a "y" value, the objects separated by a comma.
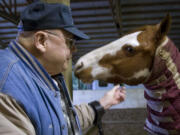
[
  {"x": 68, "y": 78},
  {"x": 65, "y": 2}
]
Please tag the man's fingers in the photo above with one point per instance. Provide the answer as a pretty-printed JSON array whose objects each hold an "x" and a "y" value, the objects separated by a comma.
[{"x": 116, "y": 87}]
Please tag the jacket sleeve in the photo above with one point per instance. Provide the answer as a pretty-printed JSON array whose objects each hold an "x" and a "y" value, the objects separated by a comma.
[
  {"x": 86, "y": 115},
  {"x": 13, "y": 120}
]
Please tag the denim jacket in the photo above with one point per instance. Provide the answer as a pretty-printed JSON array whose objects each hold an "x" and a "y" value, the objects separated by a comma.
[{"x": 23, "y": 78}]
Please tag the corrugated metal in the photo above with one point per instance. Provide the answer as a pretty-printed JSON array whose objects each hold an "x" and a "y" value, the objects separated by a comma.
[
  {"x": 9, "y": 16},
  {"x": 94, "y": 17},
  {"x": 140, "y": 12},
  {"x": 129, "y": 14}
]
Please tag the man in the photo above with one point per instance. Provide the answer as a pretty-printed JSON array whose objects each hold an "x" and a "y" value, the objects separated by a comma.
[{"x": 33, "y": 95}]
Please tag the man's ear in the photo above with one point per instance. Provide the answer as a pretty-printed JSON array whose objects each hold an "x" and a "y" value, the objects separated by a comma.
[
  {"x": 163, "y": 28},
  {"x": 40, "y": 38}
]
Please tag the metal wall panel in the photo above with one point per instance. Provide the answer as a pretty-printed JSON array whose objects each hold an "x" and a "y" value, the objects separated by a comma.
[{"x": 142, "y": 12}]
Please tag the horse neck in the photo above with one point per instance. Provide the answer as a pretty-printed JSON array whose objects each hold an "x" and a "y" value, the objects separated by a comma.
[{"x": 165, "y": 69}]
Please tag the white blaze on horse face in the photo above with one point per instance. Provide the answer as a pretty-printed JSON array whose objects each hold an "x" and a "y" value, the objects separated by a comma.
[{"x": 91, "y": 59}]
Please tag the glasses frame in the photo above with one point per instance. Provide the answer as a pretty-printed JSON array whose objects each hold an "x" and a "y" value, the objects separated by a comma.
[{"x": 69, "y": 41}]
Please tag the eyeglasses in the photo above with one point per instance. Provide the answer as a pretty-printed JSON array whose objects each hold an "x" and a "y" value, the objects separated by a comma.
[{"x": 69, "y": 42}]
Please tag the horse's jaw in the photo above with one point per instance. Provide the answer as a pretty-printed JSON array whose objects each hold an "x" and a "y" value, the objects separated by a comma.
[{"x": 137, "y": 78}]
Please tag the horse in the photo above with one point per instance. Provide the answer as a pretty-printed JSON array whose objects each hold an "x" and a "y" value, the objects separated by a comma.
[{"x": 144, "y": 56}]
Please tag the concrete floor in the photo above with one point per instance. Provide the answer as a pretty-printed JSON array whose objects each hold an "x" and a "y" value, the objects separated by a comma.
[{"x": 123, "y": 122}]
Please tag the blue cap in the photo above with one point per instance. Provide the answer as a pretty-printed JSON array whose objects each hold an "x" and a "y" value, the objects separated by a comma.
[{"x": 41, "y": 16}]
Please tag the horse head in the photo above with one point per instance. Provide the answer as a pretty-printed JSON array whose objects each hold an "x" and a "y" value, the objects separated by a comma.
[{"x": 128, "y": 59}]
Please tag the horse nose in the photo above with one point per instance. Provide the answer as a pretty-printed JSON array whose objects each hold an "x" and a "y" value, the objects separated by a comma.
[{"x": 79, "y": 67}]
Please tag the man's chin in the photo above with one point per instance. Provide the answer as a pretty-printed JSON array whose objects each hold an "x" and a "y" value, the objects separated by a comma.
[{"x": 65, "y": 68}]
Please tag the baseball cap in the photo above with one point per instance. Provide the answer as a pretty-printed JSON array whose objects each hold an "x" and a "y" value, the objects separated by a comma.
[{"x": 41, "y": 16}]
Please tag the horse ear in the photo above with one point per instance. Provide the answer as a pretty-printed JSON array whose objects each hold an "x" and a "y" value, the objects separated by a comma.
[{"x": 163, "y": 28}]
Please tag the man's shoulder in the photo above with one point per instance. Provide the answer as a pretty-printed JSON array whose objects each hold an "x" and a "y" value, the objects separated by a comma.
[
  {"x": 13, "y": 74},
  {"x": 7, "y": 57},
  {"x": 7, "y": 60},
  {"x": 9, "y": 64}
]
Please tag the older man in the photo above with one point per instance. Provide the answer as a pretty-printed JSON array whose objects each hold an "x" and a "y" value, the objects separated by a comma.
[{"x": 33, "y": 95}]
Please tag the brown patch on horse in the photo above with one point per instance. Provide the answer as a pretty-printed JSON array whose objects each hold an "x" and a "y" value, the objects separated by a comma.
[
  {"x": 154, "y": 35},
  {"x": 85, "y": 74},
  {"x": 122, "y": 65},
  {"x": 129, "y": 59},
  {"x": 118, "y": 80}
]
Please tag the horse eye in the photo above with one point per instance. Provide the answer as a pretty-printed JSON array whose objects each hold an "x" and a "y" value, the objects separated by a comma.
[{"x": 129, "y": 49}]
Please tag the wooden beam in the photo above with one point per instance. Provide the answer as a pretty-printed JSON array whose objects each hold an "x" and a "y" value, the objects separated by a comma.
[
  {"x": 11, "y": 18},
  {"x": 66, "y": 2},
  {"x": 7, "y": 6},
  {"x": 15, "y": 7},
  {"x": 117, "y": 14},
  {"x": 2, "y": 44},
  {"x": 10, "y": 4},
  {"x": 3, "y": 21},
  {"x": 2, "y": 7}
]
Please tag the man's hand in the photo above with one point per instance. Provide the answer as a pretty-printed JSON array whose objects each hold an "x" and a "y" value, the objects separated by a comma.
[{"x": 113, "y": 97}]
